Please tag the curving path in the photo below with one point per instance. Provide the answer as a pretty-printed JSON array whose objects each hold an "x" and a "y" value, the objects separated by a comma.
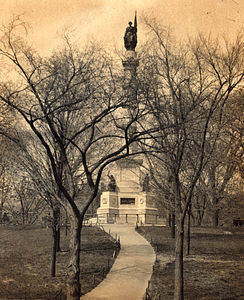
[{"x": 129, "y": 275}]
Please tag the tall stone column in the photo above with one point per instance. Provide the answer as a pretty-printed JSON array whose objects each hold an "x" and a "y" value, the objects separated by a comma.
[{"x": 130, "y": 63}]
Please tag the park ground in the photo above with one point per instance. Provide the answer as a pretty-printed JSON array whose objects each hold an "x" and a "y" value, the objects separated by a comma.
[
  {"x": 25, "y": 261},
  {"x": 214, "y": 270}
]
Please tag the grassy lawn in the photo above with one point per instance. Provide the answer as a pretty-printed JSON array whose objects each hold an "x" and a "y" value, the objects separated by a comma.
[
  {"x": 214, "y": 270},
  {"x": 25, "y": 262}
]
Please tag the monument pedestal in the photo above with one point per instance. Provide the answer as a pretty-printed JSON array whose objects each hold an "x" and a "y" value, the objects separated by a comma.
[
  {"x": 128, "y": 203},
  {"x": 108, "y": 207}
]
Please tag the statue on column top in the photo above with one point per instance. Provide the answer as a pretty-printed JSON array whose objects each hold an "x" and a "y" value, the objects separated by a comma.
[{"x": 130, "y": 37}]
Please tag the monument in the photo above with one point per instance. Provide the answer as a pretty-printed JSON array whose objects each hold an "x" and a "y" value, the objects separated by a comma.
[{"x": 127, "y": 198}]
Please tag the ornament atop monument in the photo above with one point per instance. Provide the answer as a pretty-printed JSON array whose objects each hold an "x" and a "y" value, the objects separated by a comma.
[{"x": 130, "y": 37}]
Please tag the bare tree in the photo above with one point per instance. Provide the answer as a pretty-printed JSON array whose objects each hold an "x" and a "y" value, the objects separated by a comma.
[
  {"x": 34, "y": 161},
  {"x": 30, "y": 202},
  {"x": 81, "y": 115},
  {"x": 7, "y": 152},
  {"x": 225, "y": 157},
  {"x": 5, "y": 178},
  {"x": 191, "y": 84}
]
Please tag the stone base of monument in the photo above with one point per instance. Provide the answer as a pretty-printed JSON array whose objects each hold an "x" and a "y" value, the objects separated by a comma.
[
  {"x": 117, "y": 207},
  {"x": 130, "y": 201}
]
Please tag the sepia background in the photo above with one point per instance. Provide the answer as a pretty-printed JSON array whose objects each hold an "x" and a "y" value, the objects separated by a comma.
[{"x": 106, "y": 20}]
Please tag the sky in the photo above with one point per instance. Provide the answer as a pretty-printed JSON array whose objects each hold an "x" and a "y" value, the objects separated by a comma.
[{"x": 106, "y": 20}]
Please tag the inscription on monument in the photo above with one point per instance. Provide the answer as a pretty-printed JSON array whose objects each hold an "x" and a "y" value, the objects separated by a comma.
[{"x": 127, "y": 201}]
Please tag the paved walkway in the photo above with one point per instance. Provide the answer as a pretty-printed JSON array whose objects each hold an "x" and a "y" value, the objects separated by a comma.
[{"x": 129, "y": 275}]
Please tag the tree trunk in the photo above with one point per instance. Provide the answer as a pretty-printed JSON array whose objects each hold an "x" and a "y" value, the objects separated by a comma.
[
  {"x": 1, "y": 212},
  {"x": 179, "y": 245},
  {"x": 73, "y": 279},
  {"x": 56, "y": 237},
  {"x": 173, "y": 225},
  {"x": 216, "y": 217},
  {"x": 188, "y": 231},
  {"x": 168, "y": 219},
  {"x": 200, "y": 215},
  {"x": 56, "y": 223},
  {"x": 23, "y": 212},
  {"x": 215, "y": 212},
  {"x": 214, "y": 196},
  {"x": 54, "y": 253},
  {"x": 58, "y": 247}
]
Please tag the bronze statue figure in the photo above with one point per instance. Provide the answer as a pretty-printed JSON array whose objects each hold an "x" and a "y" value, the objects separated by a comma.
[
  {"x": 145, "y": 184},
  {"x": 112, "y": 183},
  {"x": 130, "y": 37}
]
